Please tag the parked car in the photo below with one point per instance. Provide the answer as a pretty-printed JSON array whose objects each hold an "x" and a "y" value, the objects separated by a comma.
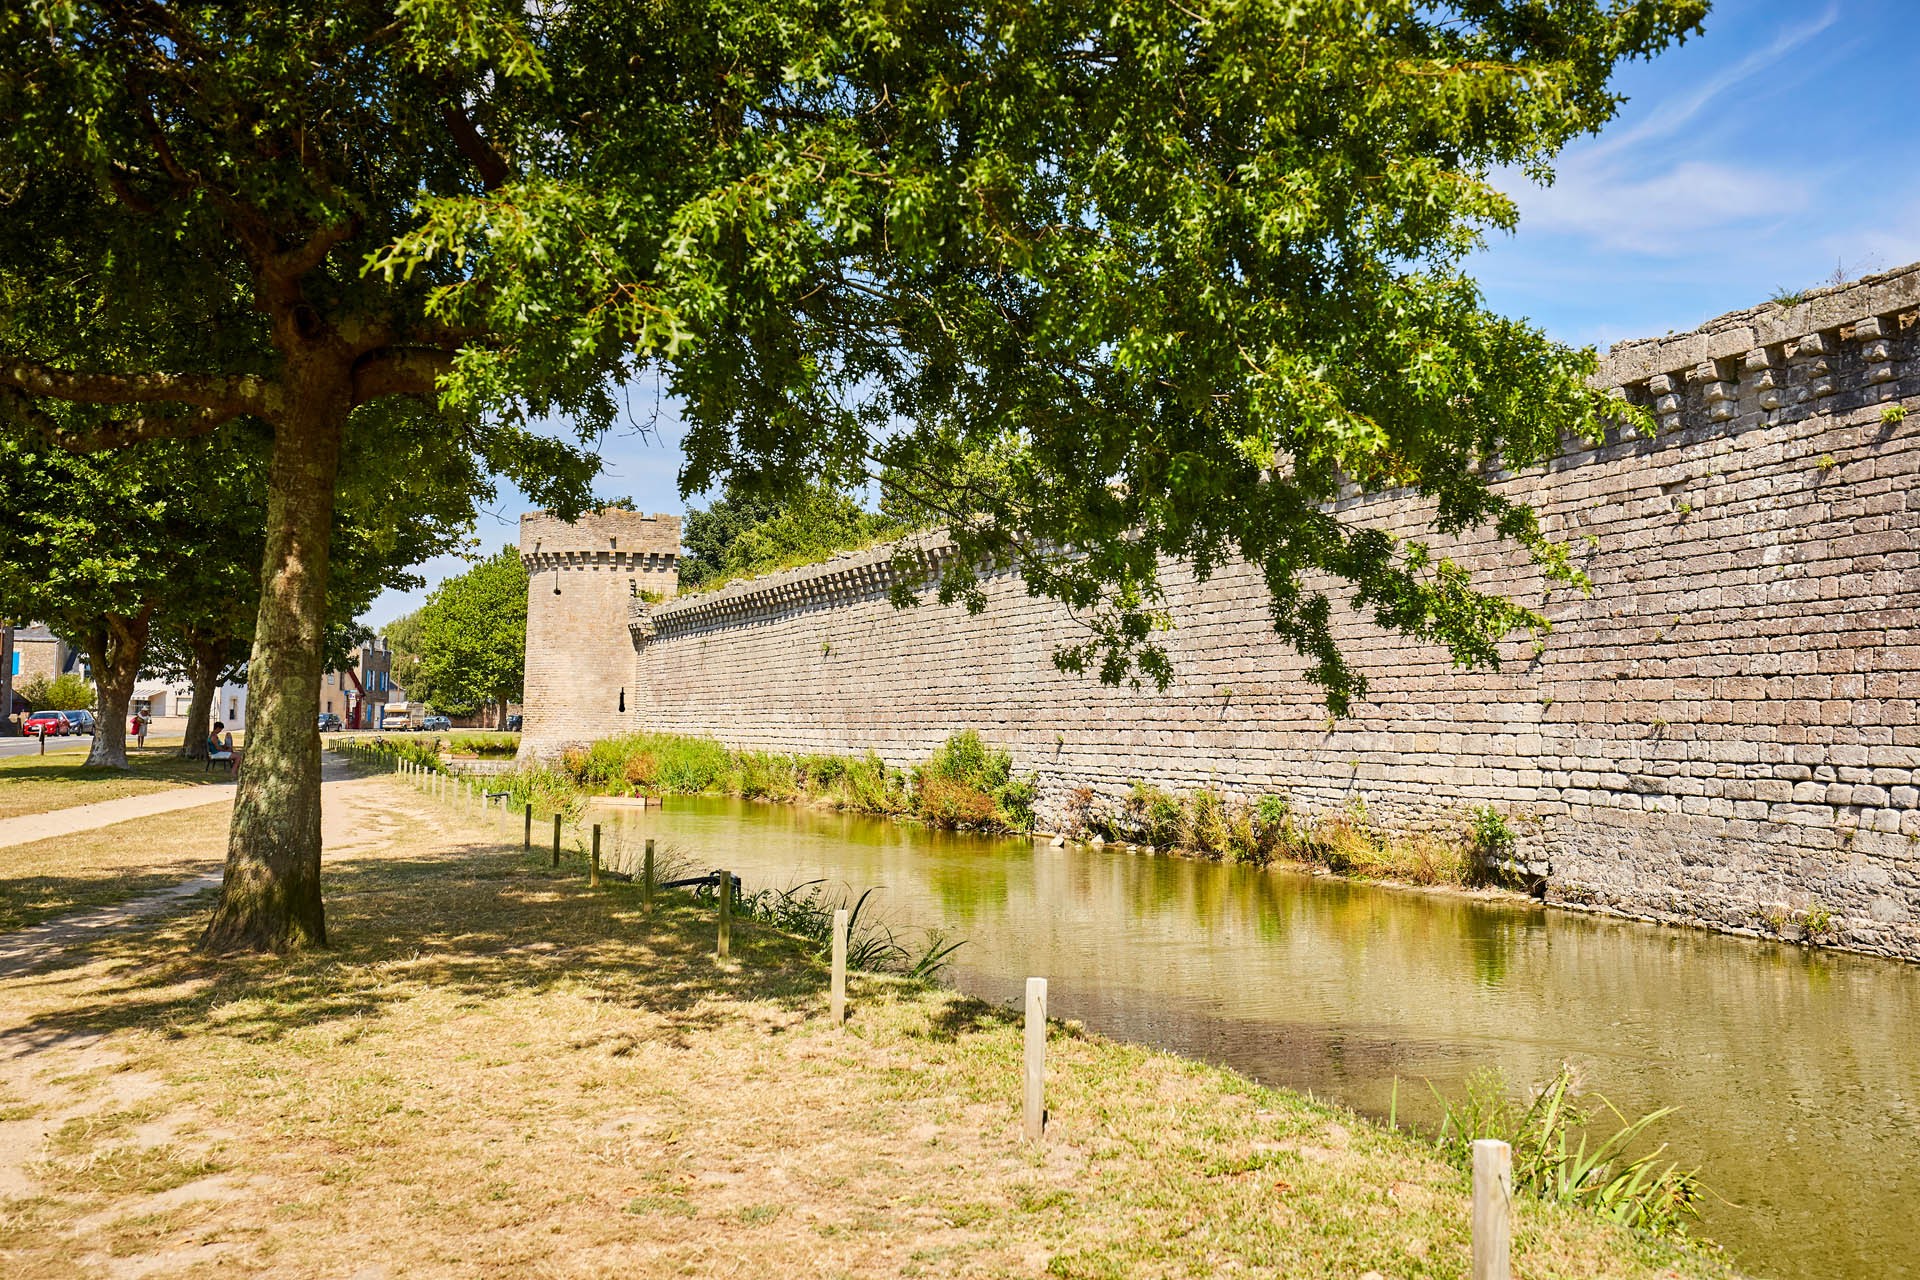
[
  {"x": 81, "y": 721},
  {"x": 330, "y": 723},
  {"x": 46, "y": 724},
  {"x": 513, "y": 724},
  {"x": 436, "y": 724}
]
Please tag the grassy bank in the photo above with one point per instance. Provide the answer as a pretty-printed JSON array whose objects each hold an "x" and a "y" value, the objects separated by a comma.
[
  {"x": 970, "y": 785},
  {"x": 497, "y": 1071},
  {"x": 965, "y": 785},
  {"x": 40, "y": 784}
]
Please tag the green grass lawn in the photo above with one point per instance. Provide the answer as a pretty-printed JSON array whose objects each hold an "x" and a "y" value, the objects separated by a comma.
[
  {"x": 39, "y": 784},
  {"x": 497, "y": 1071}
]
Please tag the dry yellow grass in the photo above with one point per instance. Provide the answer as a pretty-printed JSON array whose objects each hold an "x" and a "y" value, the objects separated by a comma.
[
  {"x": 38, "y": 784},
  {"x": 47, "y": 878},
  {"x": 497, "y": 1072}
]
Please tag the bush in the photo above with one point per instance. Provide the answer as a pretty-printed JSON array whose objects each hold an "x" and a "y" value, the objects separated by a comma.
[
  {"x": 966, "y": 784},
  {"x": 484, "y": 744},
  {"x": 1489, "y": 836},
  {"x": 764, "y": 775},
  {"x": 62, "y": 693},
  {"x": 868, "y": 786}
]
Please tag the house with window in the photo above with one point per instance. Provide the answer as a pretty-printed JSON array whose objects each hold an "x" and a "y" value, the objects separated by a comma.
[
  {"x": 39, "y": 652},
  {"x": 359, "y": 692}
]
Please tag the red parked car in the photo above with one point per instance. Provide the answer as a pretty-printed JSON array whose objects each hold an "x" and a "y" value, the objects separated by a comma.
[{"x": 46, "y": 724}]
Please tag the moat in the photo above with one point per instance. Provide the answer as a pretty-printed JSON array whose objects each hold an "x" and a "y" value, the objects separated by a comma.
[{"x": 1796, "y": 1074}]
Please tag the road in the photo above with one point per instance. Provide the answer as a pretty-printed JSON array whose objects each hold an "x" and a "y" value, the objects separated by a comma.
[{"x": 31, "y": 746}]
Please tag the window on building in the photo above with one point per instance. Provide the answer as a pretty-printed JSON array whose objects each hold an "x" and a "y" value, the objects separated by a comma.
[{"x": 16, "y": 662}]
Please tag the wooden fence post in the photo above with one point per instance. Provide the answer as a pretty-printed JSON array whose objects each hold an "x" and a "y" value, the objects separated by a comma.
[
  {"x": 840, "y": 967},
  {"x": 646, "y": 880},
  {"x": 556, "y": 839},
  {"x": 593, "y": 872},
  {"x": 527, "y": 840},
  {"x": 724, "y": 948},
  {"x": 1492, "y": 1202},
  {"x": 1036, "y": 1059}
]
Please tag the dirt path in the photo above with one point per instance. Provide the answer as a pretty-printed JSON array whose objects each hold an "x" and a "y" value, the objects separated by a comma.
[
  {"x": 86, "y": 817},
  {"x": 353, "y": 819}
]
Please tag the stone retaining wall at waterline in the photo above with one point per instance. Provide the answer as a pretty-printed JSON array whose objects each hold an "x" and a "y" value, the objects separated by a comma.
[{"x": 1722, "y": 733}]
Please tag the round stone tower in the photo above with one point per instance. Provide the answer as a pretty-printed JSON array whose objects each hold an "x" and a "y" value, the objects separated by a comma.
[{"x": 581, "y": 579}]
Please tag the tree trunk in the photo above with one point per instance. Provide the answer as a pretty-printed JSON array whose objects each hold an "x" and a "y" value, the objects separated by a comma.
[
  {"x": 115, "y": 645},
  {"x": 206, "y": 658},
  {"x": 6, "y": 680},
  {"x": 270, "y": 897}
]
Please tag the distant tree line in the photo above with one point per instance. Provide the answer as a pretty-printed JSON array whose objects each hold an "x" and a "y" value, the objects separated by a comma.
[{"x": 464, "y": 651}]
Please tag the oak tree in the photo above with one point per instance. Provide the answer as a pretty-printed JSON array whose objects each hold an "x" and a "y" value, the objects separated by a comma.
[{"x": 1104, "y": 284}]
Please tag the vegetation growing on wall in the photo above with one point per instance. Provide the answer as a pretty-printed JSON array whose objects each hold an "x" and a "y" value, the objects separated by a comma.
[{"x": 1209, "y": 824}]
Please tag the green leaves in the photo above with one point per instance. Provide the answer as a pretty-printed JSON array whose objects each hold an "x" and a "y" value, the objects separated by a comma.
[
  {"x": 470, "y": 638},
  {"x": 1101, "y": 287}
]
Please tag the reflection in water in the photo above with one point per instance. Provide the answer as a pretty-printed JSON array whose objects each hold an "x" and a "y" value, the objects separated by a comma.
[{"x": 1796, "y": 1074}]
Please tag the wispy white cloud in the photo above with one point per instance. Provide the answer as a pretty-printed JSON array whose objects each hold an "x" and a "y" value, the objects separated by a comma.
[
  {"x": 1634, "y": 190},
  {"x": 1669, "y": 116},
  {"x": 1669, "y": 212}
]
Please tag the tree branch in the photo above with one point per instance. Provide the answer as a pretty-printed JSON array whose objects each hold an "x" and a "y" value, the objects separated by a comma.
[
  {"x": 491, "y": 165},
  {"x": 228, "y": 394},
  {"x": 110, "y": 435},
  {"x": 404, "y": 371},
  {"x": 295, "y": 263}
]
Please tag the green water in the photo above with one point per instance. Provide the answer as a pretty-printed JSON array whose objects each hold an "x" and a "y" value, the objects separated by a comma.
[{"x": 1796, "y": 1074}]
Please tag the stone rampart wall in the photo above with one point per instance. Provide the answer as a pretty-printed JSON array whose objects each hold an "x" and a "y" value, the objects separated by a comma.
[{"x": 1724, "y": 729}]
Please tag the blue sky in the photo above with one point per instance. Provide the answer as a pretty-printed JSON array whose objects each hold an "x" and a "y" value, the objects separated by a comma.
[{"x": 1764, "y": 155}]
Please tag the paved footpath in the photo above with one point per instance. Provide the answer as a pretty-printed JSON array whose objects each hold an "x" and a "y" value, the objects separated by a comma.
[{"x": 86, "y": 817}]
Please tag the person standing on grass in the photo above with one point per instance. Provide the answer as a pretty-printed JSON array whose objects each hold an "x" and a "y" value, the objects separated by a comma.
[{"x": 139, "y": 727}]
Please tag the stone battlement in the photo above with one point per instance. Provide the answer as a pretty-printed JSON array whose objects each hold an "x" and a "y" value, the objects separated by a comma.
[
  {"x": 1833, "y": 350},
  {"x": 606, "y": 536}
]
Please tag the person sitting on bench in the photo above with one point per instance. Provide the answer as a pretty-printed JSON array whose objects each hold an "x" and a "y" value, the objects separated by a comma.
[{"x": 218, "y": 750}]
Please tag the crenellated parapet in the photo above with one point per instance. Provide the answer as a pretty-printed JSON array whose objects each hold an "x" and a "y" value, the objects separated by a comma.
[
  {"x": 1830, "y": 351},
  {"x": 849, "y": 576}
]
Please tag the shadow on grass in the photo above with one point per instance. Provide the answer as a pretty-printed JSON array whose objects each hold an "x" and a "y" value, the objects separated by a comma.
[
  {"x": 158, "y": 765},
  {"x": 26, "y": 901},
  {"x": 488, "y": 925},
  {"x": 966, "y": 1016}
]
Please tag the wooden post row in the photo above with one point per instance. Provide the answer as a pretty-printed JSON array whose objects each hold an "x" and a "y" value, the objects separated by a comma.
[
  {"x": 593, "y": 870},
  {"x": 724, "y": 947},
  {"x": 556, "y": 839}
]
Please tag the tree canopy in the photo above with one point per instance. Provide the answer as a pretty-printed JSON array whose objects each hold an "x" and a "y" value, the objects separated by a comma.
[
  {"x": 471, "y": 638},
  {"x": 742, "y": 533},
  {"x": 1100, "y": 284}
]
